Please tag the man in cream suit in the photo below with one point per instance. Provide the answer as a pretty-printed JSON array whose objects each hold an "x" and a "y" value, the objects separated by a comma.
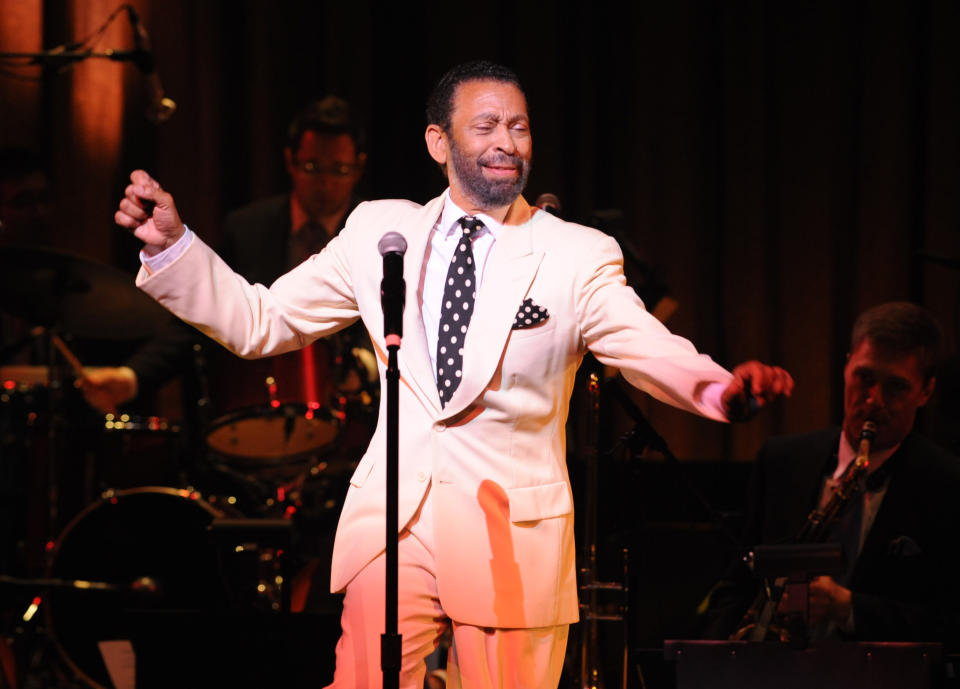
[{"x": 486, "y": 541}]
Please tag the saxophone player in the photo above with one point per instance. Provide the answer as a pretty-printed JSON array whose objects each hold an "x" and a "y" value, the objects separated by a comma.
[{"x": 899, "y": 531}]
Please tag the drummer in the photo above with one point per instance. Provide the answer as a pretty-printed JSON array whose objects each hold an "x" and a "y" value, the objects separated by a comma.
[{"x": 325, "y": 158}]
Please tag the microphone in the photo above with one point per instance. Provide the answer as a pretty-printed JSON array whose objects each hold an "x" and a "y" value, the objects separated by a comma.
[
  {"x": 161, "y": 108},
  {"x": 549, "y": 202},
  {"x": 393, "y": 290}
]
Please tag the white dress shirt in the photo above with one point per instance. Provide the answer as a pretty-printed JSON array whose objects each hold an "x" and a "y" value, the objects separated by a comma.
[{"x": 444, "y": 239}]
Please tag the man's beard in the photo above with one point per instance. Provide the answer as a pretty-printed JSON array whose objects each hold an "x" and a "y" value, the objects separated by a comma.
[{"x": 485, "y": 192}]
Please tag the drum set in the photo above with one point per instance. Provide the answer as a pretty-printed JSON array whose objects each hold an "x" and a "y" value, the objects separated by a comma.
[{"x": 109, "y": 519}]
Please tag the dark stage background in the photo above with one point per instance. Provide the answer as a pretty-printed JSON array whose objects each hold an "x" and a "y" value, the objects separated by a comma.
[{"x": 781, "y": 163}]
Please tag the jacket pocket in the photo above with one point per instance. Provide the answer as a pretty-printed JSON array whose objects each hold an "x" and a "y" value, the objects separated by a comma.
[{"x": 531, "y": 503}]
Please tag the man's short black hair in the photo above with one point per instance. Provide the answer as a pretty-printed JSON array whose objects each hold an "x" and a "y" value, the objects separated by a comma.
[
  {"x": 328, "y": 116},
  {"x": 440, "y": 101},
  {"x": 901, "y": 328}
]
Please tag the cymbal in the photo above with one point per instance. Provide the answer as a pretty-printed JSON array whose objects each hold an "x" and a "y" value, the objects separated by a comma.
[{"x": 76, "y": 295}]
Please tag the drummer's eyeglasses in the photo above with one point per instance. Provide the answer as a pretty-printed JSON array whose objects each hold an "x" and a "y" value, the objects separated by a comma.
[{"x": 312, "y": 167}]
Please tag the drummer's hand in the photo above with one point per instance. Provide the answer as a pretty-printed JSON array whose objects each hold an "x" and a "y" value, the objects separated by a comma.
[
  {"x": 149, "y": 212},
  {"x": 106, "y": 388}
]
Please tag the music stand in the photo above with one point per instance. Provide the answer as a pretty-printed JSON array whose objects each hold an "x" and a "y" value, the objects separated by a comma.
[
  {"x": 793, "y": 566},
  {"x": 823, "y": 664}
]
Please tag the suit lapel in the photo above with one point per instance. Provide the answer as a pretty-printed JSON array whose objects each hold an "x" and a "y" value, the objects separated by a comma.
[
  {"x": 508, "y": 273},
  {"x": 414, "y": 356}
]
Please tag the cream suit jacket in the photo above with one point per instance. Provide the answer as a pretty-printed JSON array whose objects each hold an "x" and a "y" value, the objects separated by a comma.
[{"x": 494, "y": 457}]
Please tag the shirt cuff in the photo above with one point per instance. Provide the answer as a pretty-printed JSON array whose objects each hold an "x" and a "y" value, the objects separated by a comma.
[
  {"x": 168, "y": 255},
  {"x": 711, "y": 397}
]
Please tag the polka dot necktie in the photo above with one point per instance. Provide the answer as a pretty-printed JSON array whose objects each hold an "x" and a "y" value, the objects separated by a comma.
[{"x": 459, "y": 292}]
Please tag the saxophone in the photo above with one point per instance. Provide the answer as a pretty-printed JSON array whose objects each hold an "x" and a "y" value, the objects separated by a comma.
[{"x": 759, "y": 617}]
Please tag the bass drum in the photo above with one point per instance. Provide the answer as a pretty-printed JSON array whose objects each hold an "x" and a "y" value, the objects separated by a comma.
[{"x": 152, "y": 545}]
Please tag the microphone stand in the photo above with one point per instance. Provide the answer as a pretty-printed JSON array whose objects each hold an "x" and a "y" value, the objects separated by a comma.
[
  {"x": 643, "y": 435},
  {"x": 392, "y": 295},
  {"x": 391, "y": 642},
  {"x": 60, "y": 58},
  {"x": 64, "y": 55}
]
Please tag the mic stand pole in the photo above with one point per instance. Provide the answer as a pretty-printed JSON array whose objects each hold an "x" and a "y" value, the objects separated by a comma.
[
  {"x": 392, "y": 296},
  {"x": 391, "y": 642}
]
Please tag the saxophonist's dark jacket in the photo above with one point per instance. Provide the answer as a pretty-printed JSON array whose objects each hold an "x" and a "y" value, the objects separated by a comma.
[{"x": 905, "y": 582}]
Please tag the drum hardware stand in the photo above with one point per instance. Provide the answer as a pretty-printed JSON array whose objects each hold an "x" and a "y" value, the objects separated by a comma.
[
  {"x": 44, "y": 666},
  {"x": 274, "y": 403},
  {"x": 201, "y": 417},
  {"x": 53, "y": 432},
  {"x": 142, "y": 584},
  {"x": 643, "y": 436},
  {"x": 203, "y": 385},
  {"x": 589, "y": 587},
  {"x": 41, "y": 642},
  {"x": 270, "y": 383},
  {"x": 271, "y": 541}
]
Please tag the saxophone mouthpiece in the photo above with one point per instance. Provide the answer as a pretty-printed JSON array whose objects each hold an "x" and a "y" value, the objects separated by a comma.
[{"x": 867, "y": 434}]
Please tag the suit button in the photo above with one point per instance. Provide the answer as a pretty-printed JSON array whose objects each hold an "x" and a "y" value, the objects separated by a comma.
[
  {"x": 439, "y": 426},
  {"x": 421, "y": 476}
]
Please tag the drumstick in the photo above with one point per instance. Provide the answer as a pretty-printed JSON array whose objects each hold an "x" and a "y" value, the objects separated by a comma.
[{"x": 68, "y": 355}]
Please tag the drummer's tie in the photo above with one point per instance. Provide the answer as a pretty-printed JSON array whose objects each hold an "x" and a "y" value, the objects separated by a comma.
[
  {"x": 459, "y": 292},
  {"x": 307, "y": 240}
]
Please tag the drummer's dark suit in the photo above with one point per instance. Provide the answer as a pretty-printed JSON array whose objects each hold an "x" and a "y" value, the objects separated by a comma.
[
  {"x": 904, "y": 582},
  {"x": 256, "y": 238}
]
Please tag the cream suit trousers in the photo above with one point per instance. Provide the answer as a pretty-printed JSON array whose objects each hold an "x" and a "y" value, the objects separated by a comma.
[{"x": 480, "y": 657}]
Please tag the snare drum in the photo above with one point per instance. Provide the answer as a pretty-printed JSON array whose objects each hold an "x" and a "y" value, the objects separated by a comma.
[
  {"x": 152, "y": 539},
  {"x": 278, "y": 418},
  {"x": 272, "y": 434}
]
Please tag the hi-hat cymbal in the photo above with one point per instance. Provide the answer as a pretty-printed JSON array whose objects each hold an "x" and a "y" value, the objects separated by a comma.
[{"x": 76, "y": 295}]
